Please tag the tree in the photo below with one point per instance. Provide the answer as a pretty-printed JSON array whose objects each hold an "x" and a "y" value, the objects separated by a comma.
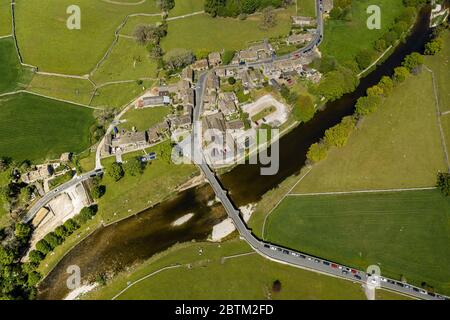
[
  {"x": 412, "y": 61},
  {"x": 304, "y": 109},
  {"x": 276, "y": 286},
  {"x": 269, "y": 19},
  {"x": 7, "y": 256},
  {"x": 62, "y": 232},
  {"x": 53, "y": 240},
  {"x": 231, "y": 80},
  {"x": 98, "y": 191},
  {"x": 380, "y": 45},
  {"x": 134, "y": 166},
  {"x": 387, "y": 85},
  {"x": 364, "y": 58},
  {"x": 22, "y": 231},
  {"x": 116, "y": 172},
  {"x": 433, "y": 47},
  {"x": 212, "y": 6},
  {"x": 71, "y": 226},
  {"x": 376, "y": 90},
  {"x": 36, "y": 256},
  {"x": 317, "y": 152},
  {"x": 33, "y": 278},
  {"x": 443, "y": 183},
  {"x": 390, "y": 37},
  {"x": 338, "y": 135},
  {"x": 178, "y": 58},
  {"x": 367, "y": 105},
  {"x": 86, "y": 213},
  {"x": 43, "y": 246},
  {"x": 401, "y": 73},
  {"x": 166, "y": 5}
]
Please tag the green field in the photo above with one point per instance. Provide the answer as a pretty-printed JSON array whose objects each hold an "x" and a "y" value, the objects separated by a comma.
[
  {"x": 13, "y": 76},
  {"x": 405, "y": 233},
  {"x": 133, "y": 22},
  {"x": 143, "y": 119},
  {"x": 200, "y": 33},
  {"x": 440, "y": 66},
  {"x": 127, "y": 61},
  {"x": 46, "y": 42},
  {"x": 306, "y": 8},
  {"x": 355, "y": 34},
  {"x": 387, "y": 151},
  {"x": 211, "y": 277},
  {"x": 36, "y": 128},
  {"x": 5, "y": 17},
  {"x": 134, "y": 194},
  {"x": 187, "y": 6},
  {"x": 117, "y": 95},
  {"x": 76, "y": 90}
]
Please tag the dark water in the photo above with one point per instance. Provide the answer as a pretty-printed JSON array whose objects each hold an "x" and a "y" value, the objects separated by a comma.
[
  {"x": 118, "y": 246},
  {"x": 245, "y": 183},
  {"x": 130, "y": 241}
]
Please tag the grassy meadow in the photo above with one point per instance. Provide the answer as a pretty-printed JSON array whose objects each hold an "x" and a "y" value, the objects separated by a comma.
[
  {"x": 115, "y": 96},
  {"x": 355, "y": 34},
  {"x": 5, "y": 17},
  {"x": 46, "y": 42},
  {"x": 187, "y": 6},
  {"x": 399, "y": 146},
  {"x": 127, "y": 61},
  {"x": 143, "y": 119},
  {"x": 36, "y": 128},
  {"x": 12, "y": 75},
  {"x": 245, "y": 277},
  {"x": 70, "y": 89},
  {"x": 200, "y": 33},
  {"x": 405, "y": 233}
]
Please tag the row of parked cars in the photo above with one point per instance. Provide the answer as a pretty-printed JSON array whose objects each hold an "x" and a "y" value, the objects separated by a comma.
[{"x": 346, "y": 271}]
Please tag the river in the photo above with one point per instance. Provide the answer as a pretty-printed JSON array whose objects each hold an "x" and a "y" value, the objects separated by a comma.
[{"x": 116, "y": 247}]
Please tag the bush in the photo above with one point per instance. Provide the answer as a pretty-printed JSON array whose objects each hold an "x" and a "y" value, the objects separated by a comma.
[
  {"x": 401, "y": 73},
  {"x": 317, "y": 152},
  {"x": 443, "y": 183},
  {"x": 338, "y": 135},
  {"x": 98, "y": 191},
  {"x": 71, "y": 226},
  {"x": 53, "y": 240},
  {"x": 61, "y": 232},
  {"x": 86, "y": 214},
  {"x": 412, "y": 61},
  {"x": 134, "y": 166},
  {"x": 116, "y": 172},
  {"x": 43, "y": 246},
  {"x": 367, "y": 105},
  {"x": 36, "y": 256},
  {"x": 433, "y": 47}
]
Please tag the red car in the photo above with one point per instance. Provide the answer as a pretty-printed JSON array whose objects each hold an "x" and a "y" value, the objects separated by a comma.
[
  {"x": 334, "y": 265},
  {"x": 354, "y": 271}
]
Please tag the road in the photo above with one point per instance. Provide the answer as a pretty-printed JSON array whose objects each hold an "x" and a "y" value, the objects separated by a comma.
[
  {"x": 274, "y": 252},
  {"x": 57, "y": 191}
]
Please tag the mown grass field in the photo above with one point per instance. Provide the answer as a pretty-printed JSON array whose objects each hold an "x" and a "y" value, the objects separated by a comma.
[
  {"x": 405, "y": 233},
  {"x": 344, "y": 40},
  {"x": 5, "y": 17},
  {"x": 127, "y": 61},
  {"x": 143, "y": 119},
  {"x": 187, "y": 6},
  {"x": 46, "y": 41},
  {"x": 210, "y": 277},
  {"x": 134, "y": 194},
  {"x": 306, "y": 8},
  {"x": 398, "y": 146},
  {"x": 440, "y": 66},
  {"x": 117, "y": 95},
  {"x": 200, "y": 33},
  {"x": 70, "y": 89},
  {"x": 12, "y": 75},
  {"x": 36, "y": 128}
]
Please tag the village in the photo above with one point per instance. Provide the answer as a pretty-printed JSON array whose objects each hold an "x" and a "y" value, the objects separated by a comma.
[{"x": 229, "y": 113}]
